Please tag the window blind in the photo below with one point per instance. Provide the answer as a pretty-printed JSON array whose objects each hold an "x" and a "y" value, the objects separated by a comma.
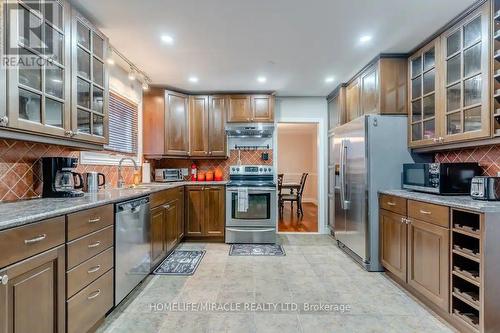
[{"x": 122, "y": 124}]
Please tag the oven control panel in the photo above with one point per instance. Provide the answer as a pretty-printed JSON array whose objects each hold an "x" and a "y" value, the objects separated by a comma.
[{"x": 251, "y": 170}]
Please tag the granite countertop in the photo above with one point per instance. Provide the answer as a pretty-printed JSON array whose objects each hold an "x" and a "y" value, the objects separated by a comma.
[
  {"x": 18, "y": 213},
  {"x": 461, "y": 202}
]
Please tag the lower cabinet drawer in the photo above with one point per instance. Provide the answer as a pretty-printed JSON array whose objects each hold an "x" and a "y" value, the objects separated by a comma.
[
  {"x": 86, "y": 247},
  {"x": 88, "y": 271},
  {"x": 91, "y": 304}
]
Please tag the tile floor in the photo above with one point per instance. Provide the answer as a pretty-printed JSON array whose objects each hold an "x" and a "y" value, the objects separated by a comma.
[{"x": 313, "y": 272}]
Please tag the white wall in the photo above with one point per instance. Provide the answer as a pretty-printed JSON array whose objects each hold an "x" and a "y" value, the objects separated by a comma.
[{"x": 314, "y": 110}]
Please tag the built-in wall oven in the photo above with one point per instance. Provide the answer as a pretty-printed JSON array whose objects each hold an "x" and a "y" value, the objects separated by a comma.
[{"x": 251, "y": 205}]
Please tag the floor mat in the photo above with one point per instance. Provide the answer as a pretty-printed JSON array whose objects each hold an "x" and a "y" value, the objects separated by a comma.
[
  {"x": 256, "y": 250},
  {"x": 180, "y": 262}
]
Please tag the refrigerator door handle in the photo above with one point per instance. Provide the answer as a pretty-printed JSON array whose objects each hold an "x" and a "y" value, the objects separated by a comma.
[
  {"x": 341, "y": 175},
  {"x": 345, "y": 203}
]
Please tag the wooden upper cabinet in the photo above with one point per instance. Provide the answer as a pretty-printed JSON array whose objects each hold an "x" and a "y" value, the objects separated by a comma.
[
  {"x": 176, "y": 124},
  {"x": 392, "y": 86},
  {"x": 263, "y": 108},
  {"x": 424, "y": 95},
  {"x": 199, "y": 125},
  {"x": 90, "y": 82},
  {"x": 34, "y": 299},
  {"x": 369, "y": 101},
  {"x": 217, "y": 140},
  {"x": 239, "y": 109},
  {"x": 466, "y": 67},
  {"x": 38, "y": 95},
  {"x": 153, "y": 118},
  {"x": 336, "y": 109},
  {"x": 353, "y": 100}
]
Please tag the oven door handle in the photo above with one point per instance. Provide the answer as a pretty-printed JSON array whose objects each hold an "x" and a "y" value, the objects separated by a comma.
[
  {"x": 250, "y": 230},
  {"x": 254, "y": 190}
]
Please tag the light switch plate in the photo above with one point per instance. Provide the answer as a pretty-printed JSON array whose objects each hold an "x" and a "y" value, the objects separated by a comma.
[{"x": 184, "y": 172}]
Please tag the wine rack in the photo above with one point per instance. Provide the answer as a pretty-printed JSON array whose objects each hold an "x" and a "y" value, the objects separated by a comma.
[
  {"x": 496, "y": 66},
  {"x": 466, "y": 263}
]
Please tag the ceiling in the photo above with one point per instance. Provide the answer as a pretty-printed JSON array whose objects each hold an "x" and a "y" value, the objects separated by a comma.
[{"x": 295, "y": 44}]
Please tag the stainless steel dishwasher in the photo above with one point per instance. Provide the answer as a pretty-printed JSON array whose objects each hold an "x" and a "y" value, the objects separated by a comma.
[{"x": 132, "y": 246}]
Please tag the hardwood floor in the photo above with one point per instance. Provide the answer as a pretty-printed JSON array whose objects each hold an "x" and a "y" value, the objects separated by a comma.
[{"x": 289, "y": 222}]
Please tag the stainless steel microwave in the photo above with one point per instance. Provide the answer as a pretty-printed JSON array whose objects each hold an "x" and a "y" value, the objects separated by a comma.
[
  {"x": 440, "y": 178},
  {"x": 168, "y": 175}
]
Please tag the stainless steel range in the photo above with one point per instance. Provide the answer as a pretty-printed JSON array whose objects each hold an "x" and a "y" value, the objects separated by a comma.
[{"x": 251, "y": 205}]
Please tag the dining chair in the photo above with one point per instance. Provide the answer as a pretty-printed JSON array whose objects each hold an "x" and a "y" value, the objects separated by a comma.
[
  {"x": 297, "y": 197},
  {"x": 280, "y": 193}
]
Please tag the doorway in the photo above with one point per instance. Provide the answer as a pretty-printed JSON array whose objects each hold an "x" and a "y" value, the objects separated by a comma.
[{"x": 297, "y": 166}]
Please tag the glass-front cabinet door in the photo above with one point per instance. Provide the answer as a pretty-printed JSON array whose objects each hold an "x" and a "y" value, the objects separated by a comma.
[
  {"x": 38, "y": 75},
  {"x": 424, "y": 96},
  {"x": 90, "y": 96},
  {"x": 466, "y": 84}
]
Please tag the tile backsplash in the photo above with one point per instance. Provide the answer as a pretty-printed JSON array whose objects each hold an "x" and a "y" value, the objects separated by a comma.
[
  {"x": 487, "y": 156},
  {"x": 21, "y": 174},
  {"x": 247, "y": 157}
]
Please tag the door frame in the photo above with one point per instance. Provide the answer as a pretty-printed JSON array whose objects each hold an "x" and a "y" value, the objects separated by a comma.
[{"x": 322, "y": 170}]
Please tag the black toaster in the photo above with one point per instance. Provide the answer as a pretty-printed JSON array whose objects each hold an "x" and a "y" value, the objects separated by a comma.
[{"x": 485, "y": 188}]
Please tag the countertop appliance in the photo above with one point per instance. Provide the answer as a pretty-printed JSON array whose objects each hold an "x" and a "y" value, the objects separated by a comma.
[
  {"x": 59, "y": 178},
  {"x": 168, "y": 175},
  {"x": 440, "y": 178},
  {"x": 132, "y": 245},
  {"x": 485, "y": 188},
  {"x": 257, "y": 223},
  {"x": 367, "y": 159},
  {"x": 250, "y": 130}
]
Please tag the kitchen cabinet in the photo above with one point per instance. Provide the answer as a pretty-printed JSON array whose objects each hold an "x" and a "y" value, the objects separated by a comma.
[
  {"x": 166, "y": 224},
  {"x": 250, "y": 108},
  {"x": 393, "y": 245},
  {"x": 198, "y": 125},
  {"x": 90, "y": 82},
  {"x": 415, "y": 247},
  {"x": 449, "y": 79},
  {"x": 369, "y": 91},
  {"x": 207, "y": 131},
  {"x": 336, "y": 108},
  {"x": 32, "y": 294},
  {"x": 39, "y": 93},
  {"x": 217, "y": 138},
  {"x": 205, "y": 214},
  {"x": 176, "y": 124},
  {"x": 263, "y": 108},
  {"x": 352, "y": 100},
  {"x": 428, "y": 261},
  {"x": 239, "y": 109}
]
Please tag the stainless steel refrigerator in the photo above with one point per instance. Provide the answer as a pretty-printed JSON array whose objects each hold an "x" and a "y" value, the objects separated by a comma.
[{"x": 368, "y": 154}]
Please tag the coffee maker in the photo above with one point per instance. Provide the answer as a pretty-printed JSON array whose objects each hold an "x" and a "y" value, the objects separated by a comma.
[{"x": 59, "y": 179}]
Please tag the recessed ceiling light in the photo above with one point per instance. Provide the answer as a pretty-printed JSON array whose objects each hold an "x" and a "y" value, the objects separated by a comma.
[
  {"x": 110, "y": 61},
  {"x": 329, "y": 79},
  {"x": 193, "y": 79},
  {"x": 262, "y": 79},
  {"x": 167, "y": 39},
  {"x": 365, "y": 38}
]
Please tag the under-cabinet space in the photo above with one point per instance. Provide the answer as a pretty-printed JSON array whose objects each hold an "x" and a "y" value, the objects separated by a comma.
[
  {"x": 467, "y": 269},
  {"x": 466, "y": 313},
  {"x": 466, "y": 292}
]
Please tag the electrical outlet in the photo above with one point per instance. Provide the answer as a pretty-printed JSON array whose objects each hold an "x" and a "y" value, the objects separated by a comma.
[{"x": 185, "y": 172}]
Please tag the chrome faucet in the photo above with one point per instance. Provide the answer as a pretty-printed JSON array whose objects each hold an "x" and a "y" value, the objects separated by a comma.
[{"x": 121, "y": 181}]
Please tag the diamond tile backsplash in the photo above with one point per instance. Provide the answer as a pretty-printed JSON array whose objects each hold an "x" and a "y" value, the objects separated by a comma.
[
  {"x": 487, "y": 156},
  {"x": 21, "y": 170},
  {"x": 247, "y": 157}
]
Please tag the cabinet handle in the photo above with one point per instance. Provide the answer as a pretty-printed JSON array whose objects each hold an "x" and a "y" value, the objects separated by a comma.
[
  {"x": 4, "y": 279},
  {"x": 391, "y": 204},
  {"x": 94, "y": 269},
  {"x": 96, "y": 244},
  {"x": 166, "y": 206},
  {"x": 403, "y": 220},
  {"x": 425, "y": 212},
  {"x": 94, "y": 294},
  {"x": 35, "y": 240},
  {"x": 97, "y": 219},
  {"x": 408, "y": 221}
]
